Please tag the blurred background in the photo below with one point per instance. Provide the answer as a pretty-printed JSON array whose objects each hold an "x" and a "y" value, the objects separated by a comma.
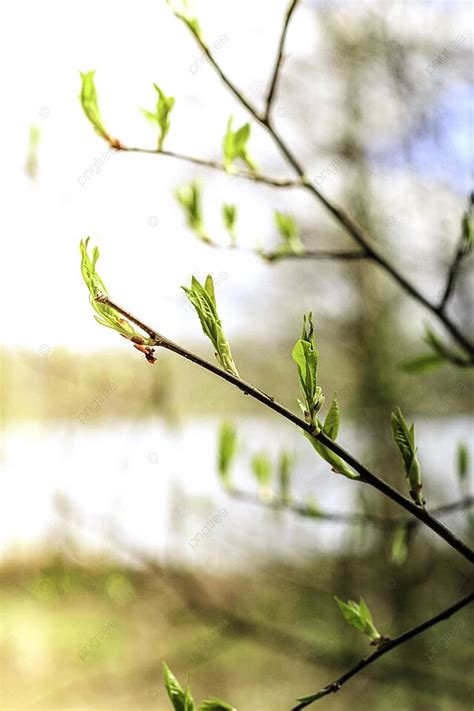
[{"x": 109, "y": 465}]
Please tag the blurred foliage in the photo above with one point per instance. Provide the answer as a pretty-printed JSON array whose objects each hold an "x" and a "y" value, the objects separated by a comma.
[
  {"x": 109, "y": 646},
  {"x": 31, "y": 166},
  {"x": 58, "y": 384}
]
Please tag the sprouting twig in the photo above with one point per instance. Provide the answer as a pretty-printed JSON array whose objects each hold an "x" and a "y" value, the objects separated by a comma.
[
  {"x": 348, "y": 223},
  {"x": 365, "y": 475},
  {"x": 334, "y": 686},
  {"x": 216, "y": 165}
]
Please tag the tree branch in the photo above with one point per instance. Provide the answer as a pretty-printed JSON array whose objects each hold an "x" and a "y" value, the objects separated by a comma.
[
  {"x": 335, "y": 686},
  {"x": 343, "y": 256},
  {"x": 365, "y": 475},
  {"x": 279, "y": 58},
  {"x": 379, "y": 521},
  {"x": 348, "y": 223}
]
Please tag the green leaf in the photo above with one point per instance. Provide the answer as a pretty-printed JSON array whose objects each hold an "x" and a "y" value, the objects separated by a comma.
[
  {"x": 399, "y": 549},
  {"x": 235, "y": 147},
  {"x": 287, "y": 227},
  {"x": 286, "y": 463},
  {"x": 440, "y": 355},
  {"x": 463, "y": 462},
  {"x": 204, "y": 301},
  {"x": 467, "y": 232},
  {"x": 229, "y": 214},
  {"x": 88, "y": 97},
  {"x": 312, "y": 697},
  {"x": 440, "y": 348},
  {"x": 209, "y": 289},
  {"x": 404, "y": 437},
  {"x": 35, "y": 135},
  {"x": 433, "y": 340},
  {"x": 227, "y": 449},
  {"x": 215, "y": 704},
  {"x": 337, "y": 464},
  {"x": 190, "y": 199},
  {"x": 180, "y": 699},
  {"x": 184, "y": 11},
  {"x": 331, "y": 423},
  {"x": 422, "y": 363},
  {"x": 105, "y": 315},
  {"x": 359, "y": 617},
  {"x": 161, "y": 116},
  {"x": 305, "y": 356},
  {"x": 312, "y": 506},
  {"x": 32, "y": 155},
  {"x": 262, "y": 469}
]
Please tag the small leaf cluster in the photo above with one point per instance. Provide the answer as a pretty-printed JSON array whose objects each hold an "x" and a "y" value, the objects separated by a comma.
[
  {"x": 286, "y": 462},
  {"x": 260, "y": 464},
  {"x": 305, "y": 356},
  {"x": 183, "y": 11},
  {"x": 399, "y": 548},
  {"x": 438, "y": 355},
  {"x": 229, "y": 215},
  {"x": 359, "y": 617},
  {"x": 190, "y": 198},
  {"x": 161, "y": 115},
  {"x": 204, "y": 301},
  {"x": 404, "y": 437},
  {"x": 288, "y": 230},
  {"x": 330, "y": 427},
  {"x": 462, "y": 464},
  {"x": 235, "y": 147},
  {"x": 439, "y": 349},
  {"x": 467, "y": 234},
  {"x": 32, "y": 156},
  {"x": 182, "y": 699},
  {"x": 105, "y": 315},
  {"x": 88, "y": 97},
  {"x": 226, "y": 451},
  {"x": 262, "y": 471}
]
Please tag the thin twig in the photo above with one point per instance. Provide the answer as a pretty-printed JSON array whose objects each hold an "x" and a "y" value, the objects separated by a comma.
[
  {"x": 462, "y": 251},
  {"x": 365, "y": 475},
  {"x": 310, "y": 254},
  {"x": 279, "y": 59},
  {"x": 343, "y": 256},
  {"x": 334, "y": 686},
  {"x": 351, "y": 226},
  {"x": 215, "y": 165},
  {"x": 379, "y": 521}
]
